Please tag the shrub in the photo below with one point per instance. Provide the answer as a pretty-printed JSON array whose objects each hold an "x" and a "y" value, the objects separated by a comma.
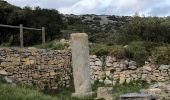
[
  {"x": 118, "y": 52},
  {"x": 59, "y": 46},
  {"x": 137, "y": 52},
  {"x": 161, "y": 55},
  {"x": 54, "y": 45},
  {"x": 99, "y": 49}
]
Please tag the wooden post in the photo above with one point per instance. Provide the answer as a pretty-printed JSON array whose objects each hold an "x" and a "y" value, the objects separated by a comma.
[
  {"x": 43, "y": 36},
  {"x": 21, "y": 36}
]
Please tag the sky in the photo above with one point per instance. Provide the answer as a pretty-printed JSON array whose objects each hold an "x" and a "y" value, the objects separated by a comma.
[{"x": 107, "y": 7}]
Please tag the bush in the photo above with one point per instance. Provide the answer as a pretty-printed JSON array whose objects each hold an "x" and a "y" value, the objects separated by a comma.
[
  {"x": 137, "y": 52},
  {"x": 99, "y": 49},
  {"x": 118, "y": 52},
  {"x": 54, "y": 45},
  {"x": 161, "y": 55},
  {"x": 133, "y": 86}
]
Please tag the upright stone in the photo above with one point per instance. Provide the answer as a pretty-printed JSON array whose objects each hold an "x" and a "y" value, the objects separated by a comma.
[{"x": 81, "y": 68}]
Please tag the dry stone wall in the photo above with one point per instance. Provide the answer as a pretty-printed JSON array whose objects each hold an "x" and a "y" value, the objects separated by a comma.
[
  {"x": 52, "y": 68},
  {"x": 42, "y": 68},
  {"x": 112, "y": 70}
]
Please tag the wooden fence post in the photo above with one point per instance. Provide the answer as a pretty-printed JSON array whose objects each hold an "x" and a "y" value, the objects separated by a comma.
[
  {"x": 21, "y": 36},
  {"x": 43, "y": 36}
]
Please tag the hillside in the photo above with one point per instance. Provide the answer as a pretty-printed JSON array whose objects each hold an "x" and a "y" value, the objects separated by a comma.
[{"x": 102, "y": 29}]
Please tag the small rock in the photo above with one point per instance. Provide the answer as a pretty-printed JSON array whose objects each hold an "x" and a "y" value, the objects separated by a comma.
[
  {"x": 107, "y": 82},
  {"x": 132, "y": 63},
  {"x": 132, "y": 67},
  {"x": 164, "y": 67},
  {"x": 3, "y": 72}
]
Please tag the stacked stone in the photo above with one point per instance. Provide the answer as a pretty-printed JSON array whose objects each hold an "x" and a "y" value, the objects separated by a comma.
[
  {"x": 45, "y": 69},
  {"x": 116, "y": 70}
]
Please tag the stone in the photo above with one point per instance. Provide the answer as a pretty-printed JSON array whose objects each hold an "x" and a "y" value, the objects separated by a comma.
[
  {"x": 81, "y": 66},
  {"x": 8, "y": 80},
  {"x": 164, "y": 67},
  {"x": 132, "y": 67},
  {"x": 122, "y": 79},
  {"x": 3, "y": 72},
  {"x": 35, "y": 76},
  {"x": 107, "y": 82},
  {"x": 136, "y": 96},
  {"x": 107, "y": 73},
  {"x": 132, "y": 63},
  {"x": 98, "y": 63},
  {"x": 105, "y": 93},
  {"x": 144, "y": 76},
  {"x": 52, "y": 73},
  {"x": 92, "y": 63},
  {"x": 128, "y": 80},
  {"x": 147, "y": 68},
  {"x": 109, "y": 64}
]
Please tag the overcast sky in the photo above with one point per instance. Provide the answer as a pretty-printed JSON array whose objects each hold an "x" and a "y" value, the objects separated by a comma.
[{"x": 109, "y": 7}]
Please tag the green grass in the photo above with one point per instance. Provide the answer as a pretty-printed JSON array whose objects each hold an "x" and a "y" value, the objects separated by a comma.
[
  {"x": 119, "y": 89},
  {"x": 55, "y": 45},
  {"x": 134, "y": 86},
  {"x": 9, "y": 92}
]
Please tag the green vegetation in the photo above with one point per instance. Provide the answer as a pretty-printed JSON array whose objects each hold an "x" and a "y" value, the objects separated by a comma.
[
  {"x": 161, "y": 55},
  {"x": 22, "y": 92},
  {"x": 29, "y": 17},
  {"x": 137, "y": 52},
  {"x": 134, "y": 86},
  {"x": 99, "y": 49},
  {"x": 55, "y": 45},
  {"x": 8, "y": 92},
  {"x": 119, "y": 89}
]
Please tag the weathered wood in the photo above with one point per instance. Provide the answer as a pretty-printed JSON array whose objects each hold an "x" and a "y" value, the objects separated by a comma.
[
  {"x": 21, "y": 28},
  {"x": 36, "y": 29},
  {"x": 27, "y": 28},
  {"x": 9, "y": 26},
  {"x": 43, "y": 36},
  {"x": 21, "y": 36}
]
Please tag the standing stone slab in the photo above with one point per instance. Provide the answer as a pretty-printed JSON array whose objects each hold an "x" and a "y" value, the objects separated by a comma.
[{"x": 81, "y": 66}]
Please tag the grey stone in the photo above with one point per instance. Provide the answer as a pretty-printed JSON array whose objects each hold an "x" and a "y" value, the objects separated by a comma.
[
  {"x": 81, "y": 66},
  {"x": 132, "y": 67},
  {"x": 132, "y": 63},
  {"x": 135, "y": 96},
  {"x": 3, "y": 72},
  {"x": 107, "y": 82},
  {"x": 105, "y": 93},
  {"x": 164, "y": 67}
]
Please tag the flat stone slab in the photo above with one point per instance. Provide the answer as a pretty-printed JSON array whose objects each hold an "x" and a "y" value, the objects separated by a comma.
[{"x": 135, "y": 96}]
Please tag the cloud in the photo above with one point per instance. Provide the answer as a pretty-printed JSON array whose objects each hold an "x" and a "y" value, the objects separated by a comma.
[
  {"x": 116, "y": 7},
  {"x": 159, "y": 11}
]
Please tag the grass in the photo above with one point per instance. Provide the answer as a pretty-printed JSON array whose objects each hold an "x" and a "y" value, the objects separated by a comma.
[
  {"x": 10, "y": 92},
  {"x": 119, "y": 89},
  {"x": 55, "y": 45}
]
